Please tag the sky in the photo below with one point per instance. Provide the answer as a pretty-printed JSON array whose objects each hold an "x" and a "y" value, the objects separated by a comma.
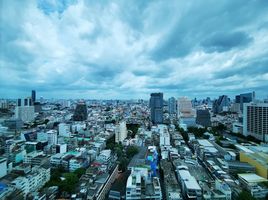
[{"x": 129, "y": 49}]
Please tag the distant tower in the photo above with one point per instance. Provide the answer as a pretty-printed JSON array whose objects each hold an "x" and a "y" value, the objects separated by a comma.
[
  {"x": 33, "y": 96},
  {"x": 80, "y": 113},
  {"x": 156, "y": 106},
  {"x": 172, "y": 105}
]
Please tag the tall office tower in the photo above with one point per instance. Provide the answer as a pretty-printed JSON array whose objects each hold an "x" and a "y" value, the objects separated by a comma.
[
  {"x": 121, "y": 132},
  {"x": 19, "y": 102},
  {"x": 156, "y": 106},
  {"x": 221, "y": 104},
  {"x": 80, "y": 113},
  {"x": 33, "y": 96},
  {"x": 255, "y": 120},
  {"x": 27, "y": 101},
  {"x": 203, "y": 118},
  {"x": 244, "y": 98},
  {"x": 172, "y": 105}
]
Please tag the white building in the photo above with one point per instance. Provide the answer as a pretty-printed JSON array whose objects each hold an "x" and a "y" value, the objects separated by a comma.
[
  {"x": 252, "y": 183},
  {"x": 52, "y": 137},
  {"x": 237, "y": 127},
  {"x": 105, "y": 156},
  {"x": 224, "y": 188},
  {"x": 141, "y": 186},
  {"x": 55, "y": 160},
  {"x": 255, "y": 120},
  {"x": 164, "y": 135},
  {"x": 24, "y": 113},
  {"x": 186, "y": 113},
  {"x": 121, "y": 132},
  {"x": 76, "y": 163},
  {"x": 189, "y": 185},
  {"x": 33, "y": 181},
  {"x": 64, "y": 130},
  {"x": 3, "y": 167}
]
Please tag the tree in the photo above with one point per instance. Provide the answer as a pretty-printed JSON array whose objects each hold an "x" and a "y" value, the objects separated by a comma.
[
  {"x": 244, "y": 195},
  {"x": 79, "y": 172},
  {"x": 131, "y": 151},
  {"x": 123, "y": 164}
]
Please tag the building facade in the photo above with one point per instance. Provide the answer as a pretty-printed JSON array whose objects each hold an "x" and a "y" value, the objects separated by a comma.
[
  {"x": 255, "y": 120},
  {"x": 156, "y": 106}
]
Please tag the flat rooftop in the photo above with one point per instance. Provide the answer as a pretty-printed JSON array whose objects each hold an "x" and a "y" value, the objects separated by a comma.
[{"x": 252, "y": 178}]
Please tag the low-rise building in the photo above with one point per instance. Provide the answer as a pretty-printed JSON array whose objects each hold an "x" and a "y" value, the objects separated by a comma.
[
  {"x": 141, "y": 186},
  {"x": 252, "y": 183}
]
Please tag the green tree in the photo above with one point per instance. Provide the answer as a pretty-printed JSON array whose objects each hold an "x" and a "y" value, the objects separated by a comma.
[
  {"x": 123, "y": 162},
  {"x": 79, "y": 172},
  {"x": 244, "y": 195},
  {"x": 131, "y": 151}
]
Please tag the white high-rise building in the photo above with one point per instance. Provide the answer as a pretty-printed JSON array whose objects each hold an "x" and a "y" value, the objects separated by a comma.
[
  {"x": 52, "y": 137},
  {"x": 185, "y": 108},
  {"x": 186, "y": 113},
  {"x": 64, "y": 130},
  {"x": 121, "y": 132},
  {"x": 255, "y": 120},
  {"x": 24, "y": 113}
]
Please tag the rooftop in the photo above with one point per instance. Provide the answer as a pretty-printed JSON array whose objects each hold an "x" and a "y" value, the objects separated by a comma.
[{"x": 252, "y": 178}]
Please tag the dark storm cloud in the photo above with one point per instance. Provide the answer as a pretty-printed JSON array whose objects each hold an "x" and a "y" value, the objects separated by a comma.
[{"x": 225, "y": 41}]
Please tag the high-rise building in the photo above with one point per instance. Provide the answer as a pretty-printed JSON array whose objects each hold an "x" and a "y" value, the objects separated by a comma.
[
  {"x": 121, "y": 132},
  {"x": 24, "y": 113},
  {"x": 64, "y": 130},
  {"x": 185, "y": 107},
  {"x": 80, "y": 113},
  {"x": 203, "y": 118},
  {"x": 244, "y": 98},
  {"x": 172, "y": 105},
  {"x": 33, "y": 96},
  {"x": 156, "y": 106},
  {"x": 186, "y": 113},
  {"x": 255, "y": 120},
  {"x": 19, "y": 102},
  {"x": 221, "y": 104},
  {"x": 28, "y": 101}
]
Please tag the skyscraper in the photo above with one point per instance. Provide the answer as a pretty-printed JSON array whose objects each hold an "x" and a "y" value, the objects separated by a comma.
[
  {"x": 33, "y": 96},
  {"x": 156, "y": 106},
  {"x": 244, "y": 98},
  {"x": 172, "y": 105},
  {"x": 221, "y": 104},
  {"x": 255, "y": 120},
  {"x": 80, "y": 113},
  {"x": 186, "y": 113},
  {"x": 203, "y": 118}
]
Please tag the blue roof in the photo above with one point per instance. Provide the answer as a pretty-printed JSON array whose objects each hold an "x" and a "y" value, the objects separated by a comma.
[{"x": 2, "y": 187}]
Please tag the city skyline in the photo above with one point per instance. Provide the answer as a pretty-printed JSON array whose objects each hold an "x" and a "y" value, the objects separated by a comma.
[{"x": 127, "y": 50}]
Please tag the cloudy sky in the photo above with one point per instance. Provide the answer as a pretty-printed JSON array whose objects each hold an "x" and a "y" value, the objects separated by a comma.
[{"x": 128, "y": 49}]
